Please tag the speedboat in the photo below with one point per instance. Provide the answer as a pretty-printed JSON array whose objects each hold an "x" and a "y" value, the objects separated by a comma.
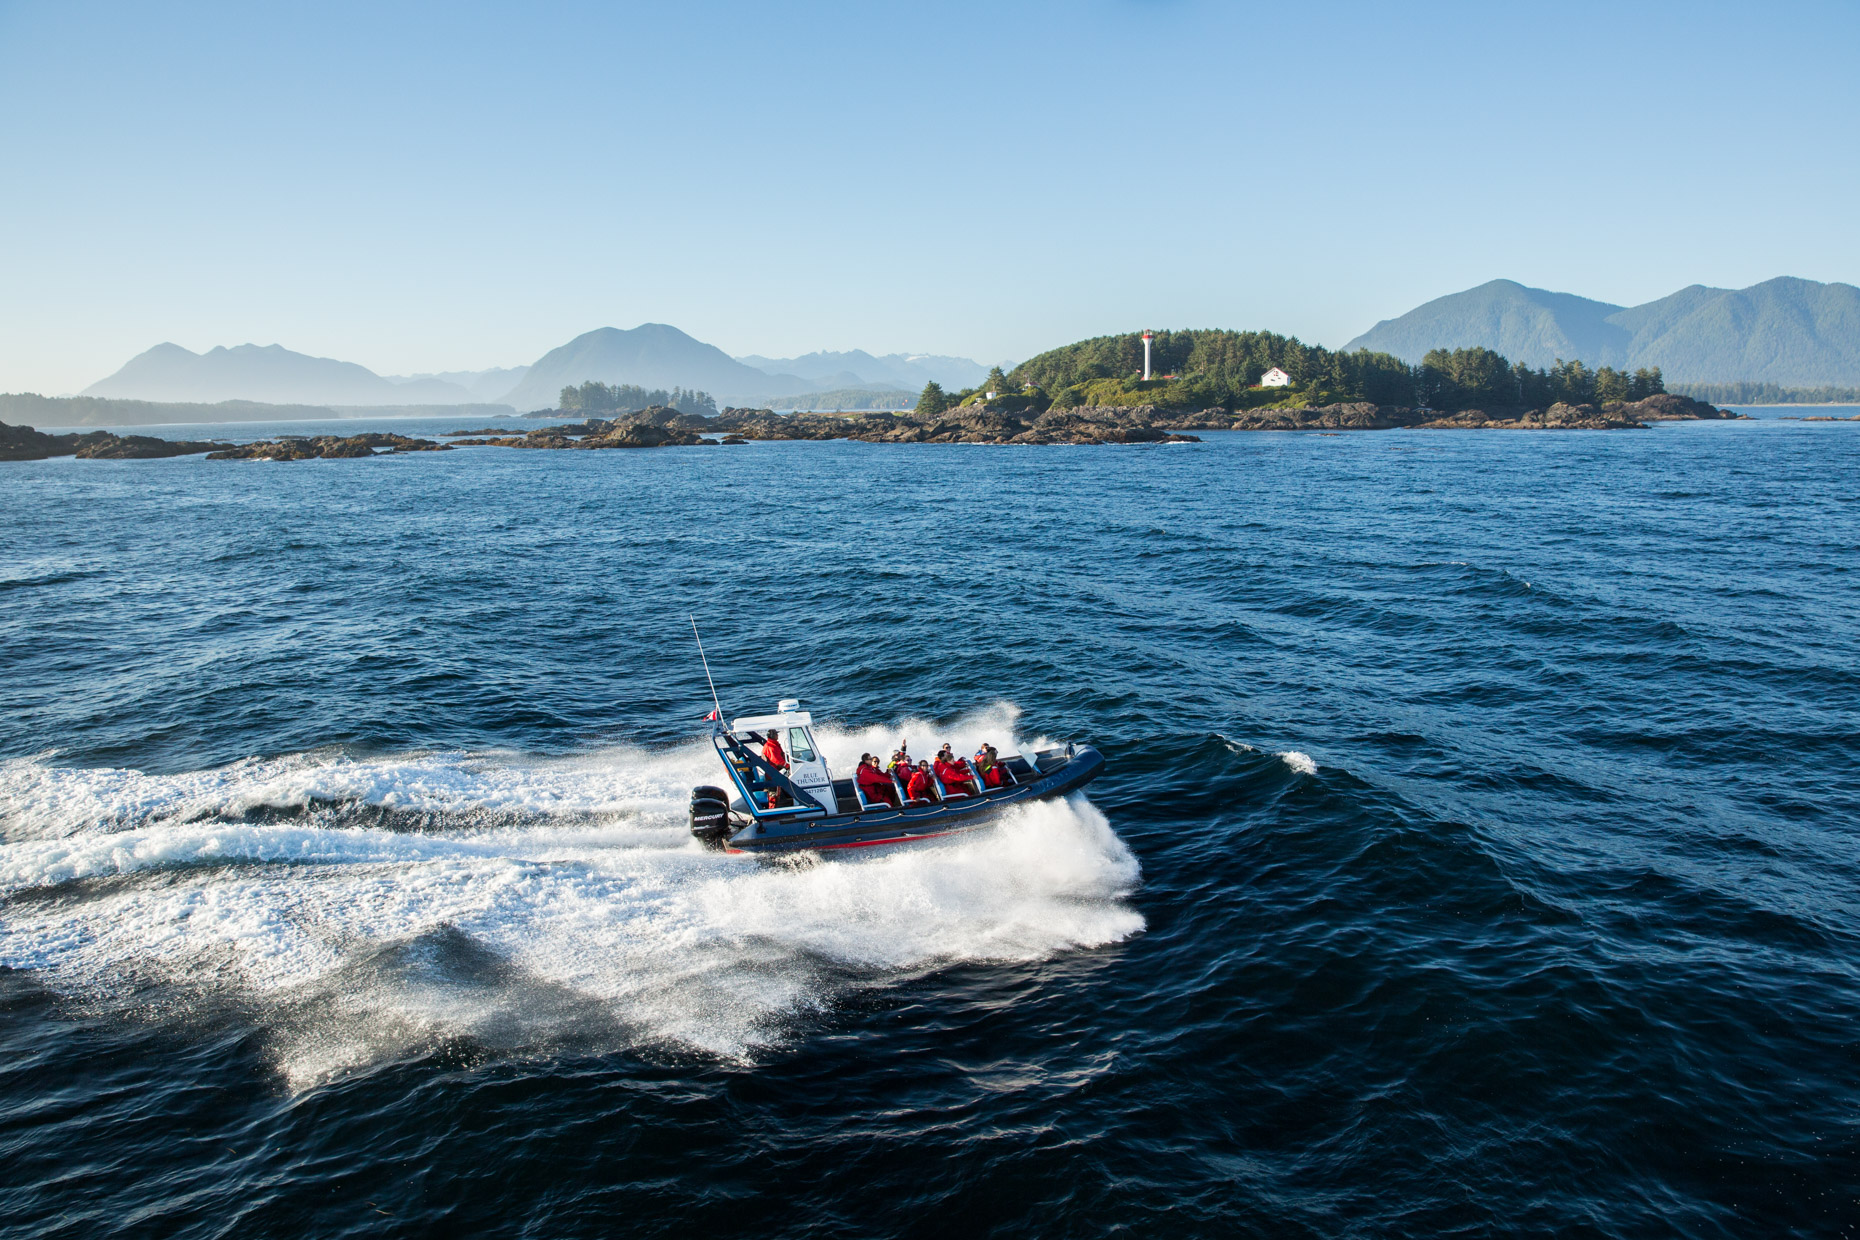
[{"x": 805, "y": 807}]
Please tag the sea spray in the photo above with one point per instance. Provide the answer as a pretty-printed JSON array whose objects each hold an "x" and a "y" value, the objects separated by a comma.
[{"x": 539, "y": 900}]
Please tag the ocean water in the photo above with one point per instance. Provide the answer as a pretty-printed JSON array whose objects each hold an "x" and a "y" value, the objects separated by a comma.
[{"x": 1476, "y": 853}]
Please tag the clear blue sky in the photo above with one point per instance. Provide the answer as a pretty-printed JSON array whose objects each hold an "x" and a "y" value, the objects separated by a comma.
[{"x": 452, "y": 186}]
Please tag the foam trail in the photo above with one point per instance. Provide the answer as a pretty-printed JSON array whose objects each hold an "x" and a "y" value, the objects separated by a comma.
[{"x": 540, "y": 902}]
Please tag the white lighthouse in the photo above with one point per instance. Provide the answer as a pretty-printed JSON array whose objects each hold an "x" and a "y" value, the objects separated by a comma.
[{"x": 1146, "y": 356}]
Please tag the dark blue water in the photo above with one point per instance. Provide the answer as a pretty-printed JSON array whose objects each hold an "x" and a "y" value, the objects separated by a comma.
[{"x": 1476, "y": 854}]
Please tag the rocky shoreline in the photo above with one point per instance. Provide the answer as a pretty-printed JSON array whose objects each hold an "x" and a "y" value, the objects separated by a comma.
[
  {"x": 1082, "y": 425},
  {"x": 979, "y": 424},
  {"x": 22, "y": 443},
  {"x": 1615, "y": 415}
]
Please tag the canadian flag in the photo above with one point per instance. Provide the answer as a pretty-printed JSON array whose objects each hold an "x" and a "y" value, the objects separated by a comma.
[{"x": 712, "y": 717}]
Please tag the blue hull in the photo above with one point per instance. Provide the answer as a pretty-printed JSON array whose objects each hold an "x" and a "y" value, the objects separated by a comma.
[{"x": 886, "y": 825}]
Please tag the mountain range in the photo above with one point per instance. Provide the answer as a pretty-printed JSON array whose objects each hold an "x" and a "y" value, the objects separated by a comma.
[
  {"x": 650, "y": 355},
  {"x": 1786, "y": 331},
  {"x": 275, "y": 375}
]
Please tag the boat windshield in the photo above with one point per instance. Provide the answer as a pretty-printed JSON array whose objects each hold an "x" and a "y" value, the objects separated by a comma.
[{"x": 799, "y": 749}]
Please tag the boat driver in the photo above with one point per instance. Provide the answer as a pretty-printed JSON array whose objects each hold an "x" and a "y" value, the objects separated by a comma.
[{"x": 773, "y": 754}]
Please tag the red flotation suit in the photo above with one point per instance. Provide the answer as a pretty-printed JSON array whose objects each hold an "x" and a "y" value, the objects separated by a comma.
[
  {"x": 920, "y": 788},
  {"x": 876, "y": 785},
  {"x": 773, "y": 755},
  {"x": 956, "y": 776}
]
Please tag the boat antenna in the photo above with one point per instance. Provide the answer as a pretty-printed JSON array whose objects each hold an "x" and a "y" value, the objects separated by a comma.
[{"x": 706, "y": 662}]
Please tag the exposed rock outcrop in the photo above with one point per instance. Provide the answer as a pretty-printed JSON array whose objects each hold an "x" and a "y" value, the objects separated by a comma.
[
  {"x": 306, "y": 448},
  {"x": 1558, "y": 417},
  {"x": 1612, "y": 416},
  {"x": 1351, "y": 416},
  {"x": 1671, "y": 407},
  {"x": 107, "y": 447},
  {"x": 967, "y": 424},
  {"x": 652, "y": 428},
  {"x": 23, "y": 443}
]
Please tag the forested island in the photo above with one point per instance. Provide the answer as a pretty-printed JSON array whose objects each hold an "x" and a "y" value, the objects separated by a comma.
[
  {"x": 596, "y": 397},
  {"x": 1770, "y": 394},
  {"x": 1206, "y": 370}
]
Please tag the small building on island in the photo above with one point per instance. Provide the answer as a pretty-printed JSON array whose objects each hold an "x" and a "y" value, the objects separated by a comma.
[{"x": 1275, "y": 378}]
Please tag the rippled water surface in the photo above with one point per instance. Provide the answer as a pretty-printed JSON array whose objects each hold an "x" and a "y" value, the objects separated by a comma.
[{"x": 1476, "y": 853}]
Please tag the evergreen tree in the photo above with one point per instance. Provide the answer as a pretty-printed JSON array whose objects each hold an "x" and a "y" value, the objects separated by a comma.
[
  {"x": 1645, "y": 383},
  {"x": 996, "y": 382},
  {"x": 1610, "y": 384},
  {"x": 934, "y": 400}
]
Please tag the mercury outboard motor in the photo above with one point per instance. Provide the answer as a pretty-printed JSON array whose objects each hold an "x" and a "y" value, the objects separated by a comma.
[{"x": 710, "y": 815}]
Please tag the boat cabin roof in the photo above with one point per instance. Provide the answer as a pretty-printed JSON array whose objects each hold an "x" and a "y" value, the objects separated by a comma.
[{"x": 761, "y": 723}]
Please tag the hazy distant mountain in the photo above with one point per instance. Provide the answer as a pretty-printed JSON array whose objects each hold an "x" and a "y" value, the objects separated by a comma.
[
  {"x": 859, "y": 369},
  {"x": 270, "y": 373},
  {"x": 652, "y": 355},
  {"x": 1787, "y": 331},
  {"x": 846, "y": 398},
  {"x": 483, "y": 385}
]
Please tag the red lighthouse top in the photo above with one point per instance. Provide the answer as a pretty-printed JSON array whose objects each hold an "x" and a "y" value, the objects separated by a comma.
[{"x": 1147, "y": 336}]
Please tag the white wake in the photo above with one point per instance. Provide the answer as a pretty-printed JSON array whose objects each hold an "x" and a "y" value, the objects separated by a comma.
[{"x": 372, "y": 908}]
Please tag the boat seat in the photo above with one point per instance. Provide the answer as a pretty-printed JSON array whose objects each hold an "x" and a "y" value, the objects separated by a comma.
[
  {"x": 1008, "y": 778},
  {"x": 905, "y": 797},
  {"x": 947, "y": 795},
  {"x": 866, "y": 802}
]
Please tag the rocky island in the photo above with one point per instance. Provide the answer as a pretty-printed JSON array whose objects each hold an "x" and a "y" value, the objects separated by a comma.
[
  {"x": 326, "y": 447},
  {"x": 979, "y": 423},
  {"x": 986, "y": 423}
]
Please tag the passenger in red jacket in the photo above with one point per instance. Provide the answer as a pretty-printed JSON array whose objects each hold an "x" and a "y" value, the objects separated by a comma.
[
  {"x": 920, "y": 787},
  {"x": 988, "y": 766},
  {"x": 956, "y": 775},
  {"x": 876, "y": 785}
]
